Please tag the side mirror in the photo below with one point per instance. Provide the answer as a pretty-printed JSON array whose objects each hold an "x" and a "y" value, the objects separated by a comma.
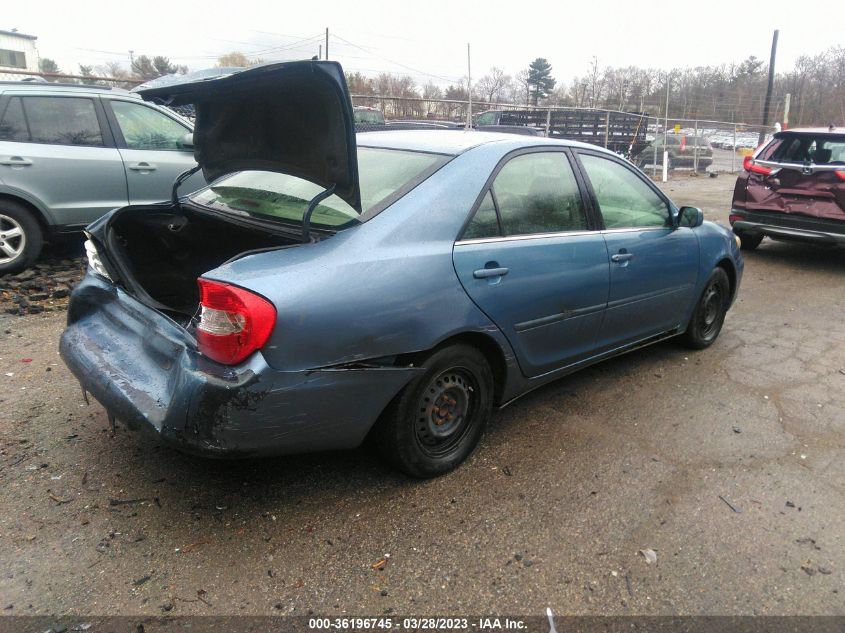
[
  {"x": 187, "y": 142},
  {"x": 690, "y": 217}
]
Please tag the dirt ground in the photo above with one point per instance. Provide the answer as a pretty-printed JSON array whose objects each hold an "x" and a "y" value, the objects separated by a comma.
[{"x": 728, "y": 463}]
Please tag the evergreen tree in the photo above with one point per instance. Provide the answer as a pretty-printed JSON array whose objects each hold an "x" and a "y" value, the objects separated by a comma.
[{"x": 540, "y": 80}]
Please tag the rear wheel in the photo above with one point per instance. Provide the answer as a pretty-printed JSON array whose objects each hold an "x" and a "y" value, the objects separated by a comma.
[
  {"x": 20, "y": 237},
  {"x": 749, "y": 242},
  {"x": 709, "y": 315},
  {"x": 437, "y": 419}
]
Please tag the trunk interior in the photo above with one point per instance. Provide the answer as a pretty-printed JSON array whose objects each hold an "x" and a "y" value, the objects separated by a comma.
[{"x": 165, "y": 250}]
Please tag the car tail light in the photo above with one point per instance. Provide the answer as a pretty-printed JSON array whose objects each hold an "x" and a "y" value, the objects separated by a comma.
[
  {"x": 840, "y": 173},
  {"x": 733, "y": 217},
  {"x": 748, "y": 164},
  {"x": 233, "y": 322},
  {"x": 94, "y": 260}
]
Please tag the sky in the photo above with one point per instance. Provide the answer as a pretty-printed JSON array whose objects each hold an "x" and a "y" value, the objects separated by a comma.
[{"x": 428, "y": 40}]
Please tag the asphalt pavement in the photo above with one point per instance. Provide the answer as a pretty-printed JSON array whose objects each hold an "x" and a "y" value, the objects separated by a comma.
[{"x": 662, "y": 482}]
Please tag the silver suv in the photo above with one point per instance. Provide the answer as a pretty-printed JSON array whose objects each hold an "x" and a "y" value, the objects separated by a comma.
[{"x": 70, "y": 153}]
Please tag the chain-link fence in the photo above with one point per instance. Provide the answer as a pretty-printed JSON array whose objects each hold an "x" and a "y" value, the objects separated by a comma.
[
  {"x": 699, "y": 145},
  {"x": 688, "y": 144}
]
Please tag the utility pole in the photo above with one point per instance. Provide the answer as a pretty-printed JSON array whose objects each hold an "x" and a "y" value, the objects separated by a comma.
[
  {"x": 786, "y": 111},
  {"x": 327, "y": 42},
  {"x": 320, "y": 52},
  {"x": 769, "y": 87},
  {"x": 469, "y": 92},
  {"x": 666, "y": 131},
  {"x": 131, "y": 60}
]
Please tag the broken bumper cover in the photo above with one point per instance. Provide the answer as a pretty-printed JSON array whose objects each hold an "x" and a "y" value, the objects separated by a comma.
[
  {"x": 144, "y": 369},
  {"x": 789, "y": 227}
]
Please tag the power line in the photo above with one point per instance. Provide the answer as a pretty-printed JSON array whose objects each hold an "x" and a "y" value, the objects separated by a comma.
[{"x": 392, "y": 61}]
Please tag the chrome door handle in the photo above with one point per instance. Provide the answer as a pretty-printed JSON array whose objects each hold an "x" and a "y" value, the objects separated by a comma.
[
  {"x": 142, "y": 167},
  {"x": 621, "y": 257},
  {"x": 486, "y": 273},
  {"x": 16, "y": 161}
]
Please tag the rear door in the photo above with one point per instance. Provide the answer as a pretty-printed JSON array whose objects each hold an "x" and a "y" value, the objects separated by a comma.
[
  {"x": 653, "y": 266},
  {"x": 806, "y": 176},
  {"x": 151, "y": 145},
  {"x": 58, "y": 150},
  {"x": 532, "y": 261}
]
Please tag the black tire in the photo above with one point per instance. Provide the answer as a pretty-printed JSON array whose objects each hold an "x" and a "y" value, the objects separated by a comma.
[
  {"x": 710, "y": 310},
  {"x": 20, "y": 237},
  {"x": 748, "y": 242},
  {"x": 436, "y": 420}
]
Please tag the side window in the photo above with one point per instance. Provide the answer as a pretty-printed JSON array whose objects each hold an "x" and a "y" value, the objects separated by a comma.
[
  {"x": 13, "y": 59},
  {"x": 62, "y": 121},
  {"x": 625, "y": 201},
  {"x": 146, "y": 128},
  {"x": 13, "y": 123},
  {"x": 486, "y": 118},
  {"x": 484, "y": 223},
  {"x": 538, "y": 193}
]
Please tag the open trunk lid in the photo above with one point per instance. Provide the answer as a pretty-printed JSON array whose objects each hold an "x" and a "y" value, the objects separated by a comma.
[{"x": 294, "y": 118}]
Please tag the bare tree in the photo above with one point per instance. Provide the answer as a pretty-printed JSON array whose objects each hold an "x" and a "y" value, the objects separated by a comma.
[
  {"x": 492, "y": 86},
  {"x": 237, "y": 59}
]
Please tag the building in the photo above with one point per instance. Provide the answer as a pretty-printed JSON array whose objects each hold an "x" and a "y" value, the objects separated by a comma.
[{"x": 17, "y": 52}]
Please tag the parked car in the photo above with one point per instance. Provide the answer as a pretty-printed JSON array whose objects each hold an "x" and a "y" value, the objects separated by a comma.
[
  {"x": 793, "y": 189},
  {"x": 321, "y": 292},
  {"x": 70, "y": 153},
  {"x": 681, "y": 150}
]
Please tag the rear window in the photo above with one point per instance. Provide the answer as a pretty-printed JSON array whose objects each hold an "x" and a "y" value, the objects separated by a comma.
[
  {"x": 368, "y": 116},
  {"x": 385, "y": 176},
  {"x": 805, "y": 148}
]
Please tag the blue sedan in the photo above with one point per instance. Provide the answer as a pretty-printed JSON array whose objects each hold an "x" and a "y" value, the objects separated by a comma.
[{"x": 397, "y": 286}]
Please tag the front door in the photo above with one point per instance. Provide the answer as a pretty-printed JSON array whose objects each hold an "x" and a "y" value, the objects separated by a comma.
[
  {"x": 151, "y": 144},
  {"x": 653, "y": 266},
  {"x": 531, "y": 262}
]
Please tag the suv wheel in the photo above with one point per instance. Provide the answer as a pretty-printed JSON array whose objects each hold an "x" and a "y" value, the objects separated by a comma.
[
  {"x": 748, "y": 242},
  {"x": 438, "y": 418},
  {"x": 670, "y": 163},
  {"x": 20, "y": 237}
]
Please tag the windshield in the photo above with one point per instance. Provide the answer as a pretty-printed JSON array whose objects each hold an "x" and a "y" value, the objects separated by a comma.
[{"x": 385, "y": 175}]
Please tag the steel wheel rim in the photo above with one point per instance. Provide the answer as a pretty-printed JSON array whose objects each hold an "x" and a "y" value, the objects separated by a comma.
[
  {"x": 12, "y": 239},
  {"x": 445, "y": 411},
  {"x": 711, "y": 308}
]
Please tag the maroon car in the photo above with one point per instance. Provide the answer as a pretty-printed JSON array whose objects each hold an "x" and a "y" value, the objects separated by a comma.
[{"x": 793, "y": 189}]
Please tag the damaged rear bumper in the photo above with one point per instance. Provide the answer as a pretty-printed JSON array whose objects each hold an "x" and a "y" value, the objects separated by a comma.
[
  {"x": 144, "y": 369},
  {"x": 790, "y": 227}
]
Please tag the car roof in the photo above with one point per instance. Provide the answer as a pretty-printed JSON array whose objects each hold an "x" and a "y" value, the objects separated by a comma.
[
  {"x": 454, "y": 142},
  {"x": 811, "y": 130},
  {"x": 48, "y": 86}
]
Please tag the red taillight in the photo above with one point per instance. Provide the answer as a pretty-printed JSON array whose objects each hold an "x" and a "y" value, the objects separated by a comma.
[
  {"x": 733, "y": 217},
  {"x": 233, "y": 322},
  {"x": 748, "y": 164},
  {"x": 840, "y": 173}
]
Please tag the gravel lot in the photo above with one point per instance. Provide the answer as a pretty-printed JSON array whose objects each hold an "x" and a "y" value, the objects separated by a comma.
[{"x": 728, "y": 463}]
